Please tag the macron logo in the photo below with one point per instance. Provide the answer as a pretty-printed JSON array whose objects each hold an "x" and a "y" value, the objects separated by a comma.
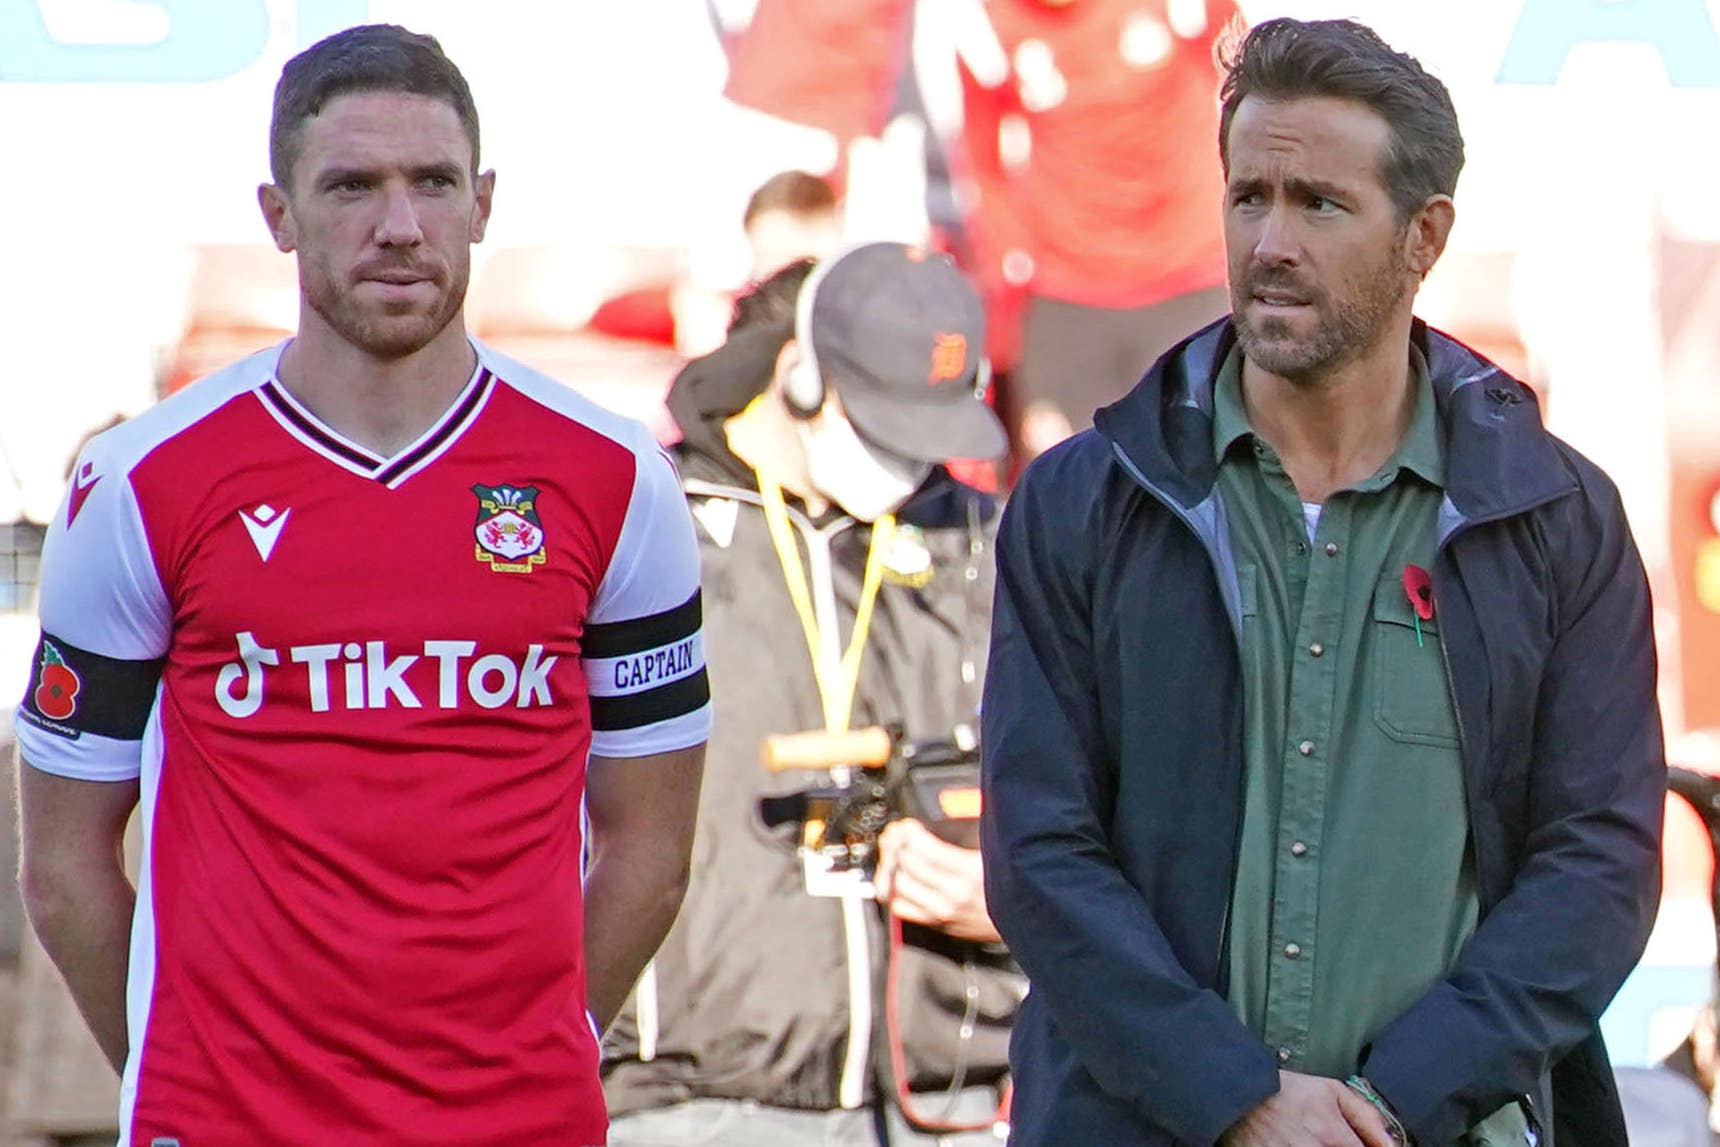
[
  {"x": 264, "y": 524},
  {"x": 82, "y": 486}
]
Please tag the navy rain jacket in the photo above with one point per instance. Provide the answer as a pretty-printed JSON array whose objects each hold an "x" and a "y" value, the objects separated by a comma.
[{"x": 1114, "y": 771}]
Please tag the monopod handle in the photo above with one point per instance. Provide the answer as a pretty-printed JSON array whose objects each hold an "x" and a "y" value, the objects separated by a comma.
[{"x": 869, "y": 748}]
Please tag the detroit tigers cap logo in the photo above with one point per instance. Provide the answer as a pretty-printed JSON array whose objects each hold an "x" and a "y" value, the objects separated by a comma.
[
  {"x": 57, "y": 685},
  {"x": 510, "y": 534},
  {"x": 949, "y": 356}
]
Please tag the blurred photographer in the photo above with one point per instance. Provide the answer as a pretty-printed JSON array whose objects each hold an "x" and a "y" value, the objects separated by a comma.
[{"x": 848, "y": 582}]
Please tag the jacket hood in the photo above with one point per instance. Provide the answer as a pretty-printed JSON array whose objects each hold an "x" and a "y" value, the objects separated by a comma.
[
  {"x": 717, "y": 386},
  {"x": 1499, "y": 456}
]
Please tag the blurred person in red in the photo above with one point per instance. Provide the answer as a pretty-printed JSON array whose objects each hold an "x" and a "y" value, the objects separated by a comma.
[
  {"x": 1088, "y": 200},
  {"x": 1087, "y": 215}
]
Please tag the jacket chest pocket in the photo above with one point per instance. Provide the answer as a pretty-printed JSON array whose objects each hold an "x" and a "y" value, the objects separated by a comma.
[{"x": 1412, "y": 695}]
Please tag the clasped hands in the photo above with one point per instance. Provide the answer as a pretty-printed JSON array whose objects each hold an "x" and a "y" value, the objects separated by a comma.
[{"x": 1310, "y": 1111}]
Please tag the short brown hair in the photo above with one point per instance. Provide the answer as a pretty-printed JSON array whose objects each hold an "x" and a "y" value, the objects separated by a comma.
[
  {"x": 369, "y": 58},
  {"x": 795, "y": 192},
  {"x": 1287, "y": 59}
]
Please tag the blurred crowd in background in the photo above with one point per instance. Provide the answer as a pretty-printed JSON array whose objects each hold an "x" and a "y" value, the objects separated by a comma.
[{"x": 657, "y": 157}]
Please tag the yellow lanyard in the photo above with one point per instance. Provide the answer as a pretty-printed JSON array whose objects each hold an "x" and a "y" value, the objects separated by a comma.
[{"x": 837, "y": 696}]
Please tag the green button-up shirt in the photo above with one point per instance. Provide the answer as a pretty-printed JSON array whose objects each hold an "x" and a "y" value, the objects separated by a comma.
[{"x": 1355, "y": 888}]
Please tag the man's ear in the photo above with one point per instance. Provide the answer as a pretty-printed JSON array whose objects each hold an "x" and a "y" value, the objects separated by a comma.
[
  {"x": 278, "y": 215},
  {"x": 484, "y": 193},
  {"x": 1426, "y": 235}
]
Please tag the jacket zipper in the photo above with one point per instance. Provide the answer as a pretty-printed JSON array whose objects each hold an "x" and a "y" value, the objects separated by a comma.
[
  {"x": 850, "y": 1088},
  {"x": 1537, "y": 1134},
  {"x": 1440, "y": 551},
  {"x": 1182, "y": 516},
  {"x": 1218, "y": 972},
  {"x": 851, "y": 1083}
]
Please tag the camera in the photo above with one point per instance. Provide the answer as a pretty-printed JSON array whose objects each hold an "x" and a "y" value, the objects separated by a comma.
[{"x": 877, "y": 775}]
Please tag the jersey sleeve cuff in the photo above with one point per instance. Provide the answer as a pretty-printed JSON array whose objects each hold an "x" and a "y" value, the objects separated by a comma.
[
  {"x": 682, "y": 732},
  {"x": 87, "y": 757}
]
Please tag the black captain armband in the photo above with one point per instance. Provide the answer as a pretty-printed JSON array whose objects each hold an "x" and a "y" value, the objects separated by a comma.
[
  {"x": 73, "y": 691},
  {"x": 646, "y": 669}
]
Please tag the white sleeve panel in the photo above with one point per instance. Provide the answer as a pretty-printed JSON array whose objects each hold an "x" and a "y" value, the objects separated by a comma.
[
  {"x": 644, "y": 653},
  {"x": 100, "y": 587},
  {"x": 655, "y": 566},
  {"x": 103, "y": 611}
]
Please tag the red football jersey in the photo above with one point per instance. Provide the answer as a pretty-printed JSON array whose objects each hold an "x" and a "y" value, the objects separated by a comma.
[
  {"x": 1119, "y": 198},
  {"x": 360, "y": 693},
  {"x": 1114, "y": 194}
]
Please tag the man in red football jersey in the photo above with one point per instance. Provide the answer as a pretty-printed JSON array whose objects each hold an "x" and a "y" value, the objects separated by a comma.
[{"x": 396, "y": 645}]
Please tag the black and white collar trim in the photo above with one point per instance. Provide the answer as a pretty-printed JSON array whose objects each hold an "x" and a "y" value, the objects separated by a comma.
[{"x": 391, "y": 472}]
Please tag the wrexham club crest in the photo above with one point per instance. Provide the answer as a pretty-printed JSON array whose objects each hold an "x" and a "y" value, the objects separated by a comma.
[{"x": 510, "y": 536}]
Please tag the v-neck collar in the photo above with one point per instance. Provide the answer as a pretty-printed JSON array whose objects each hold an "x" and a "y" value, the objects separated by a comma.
[{"x": 391, "y": 471}]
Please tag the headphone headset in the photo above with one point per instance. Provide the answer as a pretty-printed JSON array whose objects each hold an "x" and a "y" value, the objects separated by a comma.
[{"x": 803, "y": 388}]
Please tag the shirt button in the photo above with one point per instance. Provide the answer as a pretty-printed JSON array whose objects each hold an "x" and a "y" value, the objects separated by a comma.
[
  {"x": 1316, "y": 650},
  {"x": 1331, "y": 549},
  {"x": 1284, "y": 1055},
  {"x": 1291, "y": 951},
  {"x": 1306, "y": 748},
  {"x": 1298, "y": 849}
]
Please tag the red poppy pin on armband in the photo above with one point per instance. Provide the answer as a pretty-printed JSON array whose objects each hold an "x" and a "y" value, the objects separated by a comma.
[{"x": 57, "y": 685}]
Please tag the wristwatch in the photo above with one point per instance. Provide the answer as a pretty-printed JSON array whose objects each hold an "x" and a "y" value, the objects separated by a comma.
[{"x": 1394, "y": 1125}]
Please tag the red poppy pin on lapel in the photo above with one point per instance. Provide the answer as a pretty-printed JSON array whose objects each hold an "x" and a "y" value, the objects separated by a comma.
[{"x": 1418, "y": 587}]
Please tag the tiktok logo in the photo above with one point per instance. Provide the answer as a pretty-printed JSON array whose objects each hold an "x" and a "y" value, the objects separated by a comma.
[
  {"x": 347, "y": 676},
  {"x": 252, "y": 658}
]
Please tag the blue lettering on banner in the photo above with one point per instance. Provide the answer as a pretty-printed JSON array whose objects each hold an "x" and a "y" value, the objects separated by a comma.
[
  {"x": 1680, "y": 31},
  {"x": 206, "y": 40},
  {"x": 649, "y": 668}
]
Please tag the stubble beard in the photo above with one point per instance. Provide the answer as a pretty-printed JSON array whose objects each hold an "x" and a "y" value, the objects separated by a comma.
[
  {"x": 386, "y": 335},
  {"x": 1343, "y": 333}
]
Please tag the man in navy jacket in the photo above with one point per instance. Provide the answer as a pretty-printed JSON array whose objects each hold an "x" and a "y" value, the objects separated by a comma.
[{"x": 1323, "y": 768}]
